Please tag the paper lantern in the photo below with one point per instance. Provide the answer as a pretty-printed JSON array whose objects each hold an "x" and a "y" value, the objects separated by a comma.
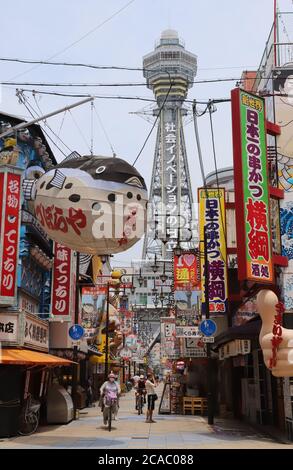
[{"x": 92, "y": 204}]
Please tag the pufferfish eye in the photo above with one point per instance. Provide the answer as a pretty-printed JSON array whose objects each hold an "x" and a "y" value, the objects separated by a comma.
[
  {"x": 34, "y": 172},
  {"x": 100, "y": 169}
]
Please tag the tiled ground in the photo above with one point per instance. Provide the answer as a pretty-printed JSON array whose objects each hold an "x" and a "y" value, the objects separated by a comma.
[{"x": 131, "y": 432}]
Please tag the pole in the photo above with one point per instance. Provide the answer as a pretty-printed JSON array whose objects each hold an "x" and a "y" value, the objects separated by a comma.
[
  {"x": 75, "y": 347},
  {"x": 210, "y": 361},
  {"x": 23, "y": 125},
  {"x": 275, "y": 33},
  {"x": 107, "y": 333},
  {"x": 123, "y": 363}
]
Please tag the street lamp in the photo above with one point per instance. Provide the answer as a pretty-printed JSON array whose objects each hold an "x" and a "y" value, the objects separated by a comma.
[
  {"x": 155, "y": 266},
  {"x": 140, "y": 278},
  {"x": 164, "y": 276}
]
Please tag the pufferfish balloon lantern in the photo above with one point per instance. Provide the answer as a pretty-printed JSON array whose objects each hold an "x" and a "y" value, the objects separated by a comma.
[{"x": 92, "y": 204}]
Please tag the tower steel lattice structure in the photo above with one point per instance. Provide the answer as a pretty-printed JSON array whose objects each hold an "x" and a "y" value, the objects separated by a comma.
[{"x": 169, "y": 71}]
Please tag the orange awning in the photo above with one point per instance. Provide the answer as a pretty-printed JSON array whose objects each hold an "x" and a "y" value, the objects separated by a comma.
[{"x": 27, "y": 357}]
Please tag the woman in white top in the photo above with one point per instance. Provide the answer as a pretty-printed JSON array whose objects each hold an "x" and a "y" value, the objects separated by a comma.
[{"x": 152, "y": 396}]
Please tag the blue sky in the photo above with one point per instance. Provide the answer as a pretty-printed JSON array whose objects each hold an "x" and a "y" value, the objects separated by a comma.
[{"x": 227, "y": 36}]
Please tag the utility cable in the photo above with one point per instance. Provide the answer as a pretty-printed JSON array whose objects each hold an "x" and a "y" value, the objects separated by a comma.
[
  {"x": 216, "y": 171},
  {"x": 81, "y": 38},
  {"x": 47, "y": 125},
  {"x": 104, "y": 131},
  {"x": 23, "y": 101},
  {"x": 79, "y": 130}
]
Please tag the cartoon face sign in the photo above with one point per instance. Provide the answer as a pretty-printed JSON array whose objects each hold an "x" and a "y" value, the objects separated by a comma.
[{"x": 94, "y": 205}]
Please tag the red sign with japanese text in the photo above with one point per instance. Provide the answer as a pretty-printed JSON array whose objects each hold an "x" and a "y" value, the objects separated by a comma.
[
  {"x": 186, "y": 276},
  {"x": 252, "y": 203},
  {"x": 63, "y": 301},
  {"x": 10, "y": 193}
]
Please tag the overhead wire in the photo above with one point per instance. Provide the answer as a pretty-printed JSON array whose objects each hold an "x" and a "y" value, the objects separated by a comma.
[
  {"x": 79, "y": 130},
  {"x": 104, "y": 130},
  {"x": 195, "y": 115},
  {"x": 24, "y": 101},
  {"x": 76, "y": 41},
  {"x": 49, "y": 127},
  {"x": 216, "y": 171}
]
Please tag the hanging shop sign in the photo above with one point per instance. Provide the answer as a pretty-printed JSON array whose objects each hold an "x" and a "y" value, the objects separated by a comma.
[
  {"x": 36, "y": 333},
  {"x": 212, "y": 219},
  {"x": 64, "y": 283},
  {"x": 10, "y": 197},
  {"x": 254, "y": 244},
  {"x": 186, "y": 275},
  {"x": 169, "y": 345}
]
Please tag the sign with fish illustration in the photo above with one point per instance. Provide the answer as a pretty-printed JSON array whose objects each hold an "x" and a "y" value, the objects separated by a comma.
[{"x": 92, "y": 204}]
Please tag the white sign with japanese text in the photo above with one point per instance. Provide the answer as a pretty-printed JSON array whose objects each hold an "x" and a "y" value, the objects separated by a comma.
[
  {"x": 9, "y": 328},
  {"x": 187, "y": 331},
  {"x": 36, "y": 333}
]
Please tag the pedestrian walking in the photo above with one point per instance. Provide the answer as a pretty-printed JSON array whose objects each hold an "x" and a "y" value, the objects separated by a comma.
[
  {"x": 89, "y": 392},
  {"x": 151, "y": 397}
]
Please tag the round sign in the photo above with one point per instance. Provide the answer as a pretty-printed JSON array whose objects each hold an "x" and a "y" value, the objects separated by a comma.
[
  {"x": 208, "y": 327},
  {"x": 125, "y": 353},
  {"x": 76, "y": 332}
]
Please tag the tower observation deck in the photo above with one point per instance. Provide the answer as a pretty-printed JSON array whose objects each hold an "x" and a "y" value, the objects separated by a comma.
[{"x": 169, "y": 71}]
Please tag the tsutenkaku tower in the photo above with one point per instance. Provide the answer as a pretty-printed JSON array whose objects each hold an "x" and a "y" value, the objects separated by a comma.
[{"x": 169, "y": 71}]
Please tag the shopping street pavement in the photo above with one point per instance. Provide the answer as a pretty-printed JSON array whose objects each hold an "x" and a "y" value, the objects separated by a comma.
[{"x": 131, "y": 432}]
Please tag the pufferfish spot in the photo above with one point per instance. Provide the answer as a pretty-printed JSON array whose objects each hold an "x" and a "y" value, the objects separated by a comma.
[{"x": 74, "y": 198}]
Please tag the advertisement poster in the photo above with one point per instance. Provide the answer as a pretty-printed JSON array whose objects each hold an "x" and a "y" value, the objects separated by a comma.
[
  {"x": 254, "y": 244},
  {"x": 212, "y": 220}
]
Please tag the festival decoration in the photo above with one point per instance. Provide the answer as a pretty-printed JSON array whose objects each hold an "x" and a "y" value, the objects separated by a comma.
[
  {"x": 276, "y": 341},
  {"x": 92, "y": 204}
]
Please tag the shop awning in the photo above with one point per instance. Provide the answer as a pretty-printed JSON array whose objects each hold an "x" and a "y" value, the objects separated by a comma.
[
  {"x": 27, "y": 357},
  {"x": 249, "y": 330}
]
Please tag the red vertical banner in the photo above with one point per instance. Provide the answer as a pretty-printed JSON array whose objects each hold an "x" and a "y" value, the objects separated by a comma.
[
  {"x": 63, "y": 288},
  {"x": 186, "y": 272},
  {"x": 10, "y": 194}
]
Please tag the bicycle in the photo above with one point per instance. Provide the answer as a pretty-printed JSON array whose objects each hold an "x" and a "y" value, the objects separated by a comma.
[
  {"x": 139, "y": 403},
  {"x": 29, "y": 417},
  {"x": 110, "y": 406}
]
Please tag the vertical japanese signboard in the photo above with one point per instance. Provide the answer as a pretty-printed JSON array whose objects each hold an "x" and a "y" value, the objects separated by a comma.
[
  {"x": 212, "y": 219},
  {"x": 10, "y": 194},
  {"x": 63, "y": 285},
  {"x": 186, "y": 272},
  {"x": 169, "y": 345},
  {"x": 170, "y": 144},
  {"x": 254, "y": 246}
]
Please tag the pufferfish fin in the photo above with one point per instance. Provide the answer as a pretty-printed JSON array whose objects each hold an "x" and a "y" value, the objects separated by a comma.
[
  {"x": 134, "y": 181},
  {"x": 72, "y": 156}
]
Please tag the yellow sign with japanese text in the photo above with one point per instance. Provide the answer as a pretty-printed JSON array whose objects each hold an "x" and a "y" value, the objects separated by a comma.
[{"x": 212, "y": 220}]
